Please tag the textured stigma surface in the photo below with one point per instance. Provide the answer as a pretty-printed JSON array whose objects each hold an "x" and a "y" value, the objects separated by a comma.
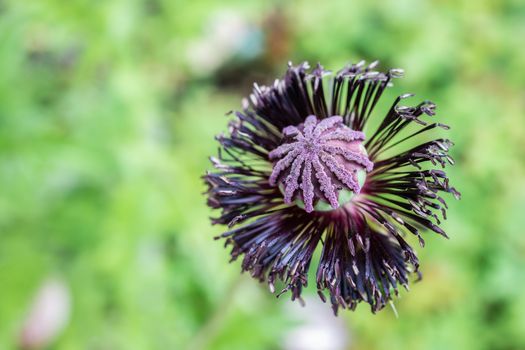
[{"x": 322, "y": 158}]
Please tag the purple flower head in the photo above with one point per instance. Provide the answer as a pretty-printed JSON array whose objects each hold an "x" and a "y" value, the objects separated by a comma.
[{"x": 295, "y": 172}]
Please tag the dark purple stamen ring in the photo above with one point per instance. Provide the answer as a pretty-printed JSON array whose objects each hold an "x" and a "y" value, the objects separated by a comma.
[{"x": 302, "y": 140}]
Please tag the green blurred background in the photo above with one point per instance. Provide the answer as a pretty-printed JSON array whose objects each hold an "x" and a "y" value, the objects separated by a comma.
[{"x": 108, "y": 111}]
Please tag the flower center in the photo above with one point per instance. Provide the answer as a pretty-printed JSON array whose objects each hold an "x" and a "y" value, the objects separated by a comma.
[{"x": 320, "y": 165}]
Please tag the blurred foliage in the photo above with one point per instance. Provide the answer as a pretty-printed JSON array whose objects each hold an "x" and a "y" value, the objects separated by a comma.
[{"x": 106, "y": 123}]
